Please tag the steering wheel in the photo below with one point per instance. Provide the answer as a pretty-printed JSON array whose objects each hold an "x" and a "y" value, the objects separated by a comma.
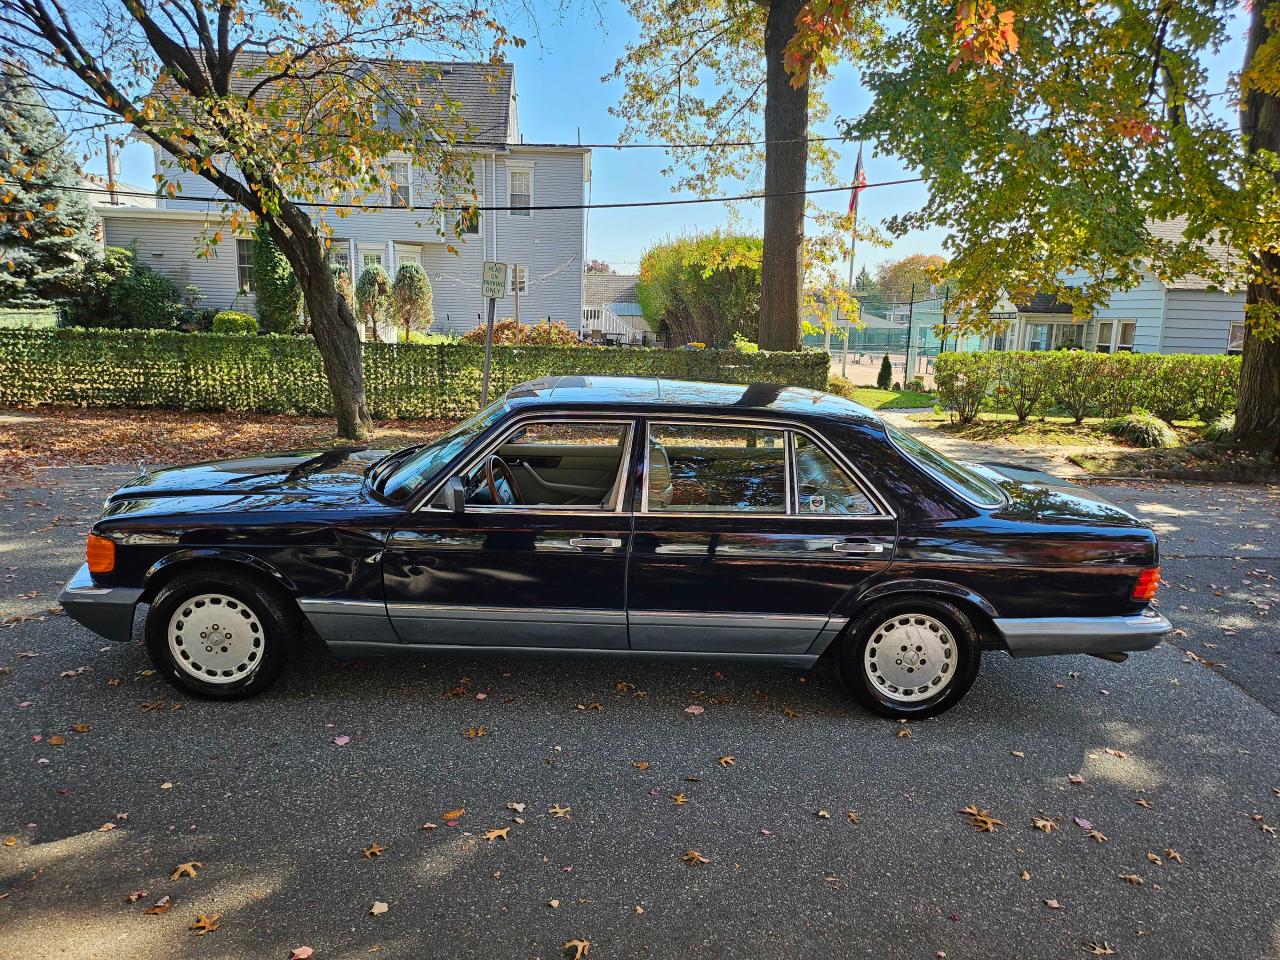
[{"x": 496, "y": 465}]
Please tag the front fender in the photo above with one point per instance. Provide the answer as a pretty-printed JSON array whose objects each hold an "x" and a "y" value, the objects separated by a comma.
[{"x": 170, "y": 563}]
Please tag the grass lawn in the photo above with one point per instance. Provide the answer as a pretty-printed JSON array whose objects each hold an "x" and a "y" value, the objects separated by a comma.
[
  {"x": 1039, "y": 431},
  {"x": 878, "y": 399}
]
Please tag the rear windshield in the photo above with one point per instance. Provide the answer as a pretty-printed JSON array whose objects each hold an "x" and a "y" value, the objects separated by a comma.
[{"x": 957, "y": 477}]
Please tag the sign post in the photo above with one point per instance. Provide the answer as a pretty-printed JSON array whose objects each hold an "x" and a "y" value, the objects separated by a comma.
[{"x": 493, "y": 285}]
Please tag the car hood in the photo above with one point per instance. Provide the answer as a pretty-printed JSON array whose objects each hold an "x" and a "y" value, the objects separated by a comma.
[
  {"x": 1041, "y": 497},
  {"x": 339, "y": 472}
]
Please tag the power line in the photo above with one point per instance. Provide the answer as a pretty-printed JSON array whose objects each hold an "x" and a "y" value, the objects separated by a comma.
[{"x": 685, "y": 201}]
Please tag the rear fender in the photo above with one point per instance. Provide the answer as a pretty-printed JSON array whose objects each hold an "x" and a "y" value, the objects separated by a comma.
[{"x": 889, "y": 589}]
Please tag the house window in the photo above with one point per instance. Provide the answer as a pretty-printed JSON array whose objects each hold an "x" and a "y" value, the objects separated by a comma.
[
  {"x": 370, "y": 258},
  {"x": 400, "y": 183},
  {"x": 1106, "y": 330},
  {"x": 1125, "y": 339},
  {"x": 244, "y": 265},
  {"x": 464, "y": 220},
  {"x": 519, "y": 277},
  {"x": 340, "y": 254},
  {"x": 521, "y": 193},
  {"x": 1235, "y": 338}
]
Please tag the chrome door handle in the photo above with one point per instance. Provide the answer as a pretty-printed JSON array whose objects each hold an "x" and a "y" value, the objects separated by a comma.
[
  {"x": 846, "y": 546},
  {"x": 594, "y": 543}
]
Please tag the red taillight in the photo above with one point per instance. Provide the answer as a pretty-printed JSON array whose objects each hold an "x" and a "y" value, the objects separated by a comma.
[
  {"x": 1144, "y": 590},
  {"x": 101, "y": 554}
]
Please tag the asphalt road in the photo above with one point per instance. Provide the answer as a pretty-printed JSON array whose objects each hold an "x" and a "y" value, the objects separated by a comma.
[{"x": 278, "y": 814}]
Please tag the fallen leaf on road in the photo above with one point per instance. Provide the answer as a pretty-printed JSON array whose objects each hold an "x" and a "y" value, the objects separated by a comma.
[
  {"x": 1083, "y": 824},
  {"x": 374, "y": 849},
  {"x": 1097, "y": 836},
  {"x": 1132, "y": 879},
  {"x": 1173, "y": 855},
  {"x": 453, "y": 814},
  {"x": 1118, "y": 754},
  {"x": 679, "y": 799},
  {"x": 187, "y": 869},
  {"x": 695, "y": 709},
  {"x": 790, "y": 714},
  {"x": 580, "y": 948},
  {"x": 1053, "y": 904},
  {"x": 492, "y": 835},
  {"x": 1044, "y": 824},
  {"x": 641, "y": 764},
  {"x": 1102, "y": 949},
  {"x": 1154, "y": 859},
  {"x": 205, "y": 924},
  {"x": 517, "y": 807},
  {"x": 1017, "y": 753},
  {"x": 473, "y": 732},
  {"x": 728, "y": 760},
  {"x": 105, "y": 827},
  {"x": 136, "y": 896},
  {"x": 341, "y": 741},
  {"x": 1143, "y": 802},
  {"x": 559, "y": 811},
  {"x": 379, "y": 907},
  {"x": 553, "y": 904},
  {"x": 1075, "y": 778},
  {"x": 1025, "y": 876},
  {"x": 904, "y": 732},
  {"x": 981, "y": 819},
  {"x": 825, "y": 815},
  {"x": 301, "y": 953},
  {"x": 10, "y": 841},
  {"x": 693, "y": 856},
  {"x": 81, "y": 727},
  {"x": 56, "y": 741},
  {"x": 160, "y": 906},
  {"x": 853, "y": 816}
]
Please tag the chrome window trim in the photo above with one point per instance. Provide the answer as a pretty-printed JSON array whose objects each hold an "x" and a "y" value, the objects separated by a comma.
[
  {"x": 885, "y": 512},
  {"x": 521, "y": 420}
]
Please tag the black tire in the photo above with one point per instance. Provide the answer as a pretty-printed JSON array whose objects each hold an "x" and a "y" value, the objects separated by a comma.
[
  {"x": 869, "y": 687},
  {"x": 269, "y": 627}
]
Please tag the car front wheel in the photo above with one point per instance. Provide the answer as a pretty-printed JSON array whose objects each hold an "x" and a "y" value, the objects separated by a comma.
[
  {"x": 909, "y": 658},
  {"x": 218, "y": 635}
]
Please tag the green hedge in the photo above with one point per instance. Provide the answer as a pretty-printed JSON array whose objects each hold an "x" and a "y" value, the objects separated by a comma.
[
  {"x": 1178, "y": 386},
  {"x": 278, "y": 374}
]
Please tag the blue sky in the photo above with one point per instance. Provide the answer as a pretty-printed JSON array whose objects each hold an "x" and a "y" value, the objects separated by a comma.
[{"x": 562, "y": 98}]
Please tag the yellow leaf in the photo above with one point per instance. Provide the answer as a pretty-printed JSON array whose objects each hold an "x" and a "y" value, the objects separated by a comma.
[
  {"x": 492, "y": 835},
  {"x": 580, "y": 948},
  {"x": 559, "y": 811},
  {"x": 1044, "y": 824},
  {"x": 679, "y": 799},
  {"x": 206, "y": 924},
  {"x": 453, "y": 814},
  {"x": 1132, "y": 879},
  {"x": 56, "y": 741},
  {"x": 641, "y": 764},
  {"x": 373, "y": 850},
  {"x": 693, "y": 856},
  {"x": 728, "y": 760},
  {"x": 187, "y": 869}
]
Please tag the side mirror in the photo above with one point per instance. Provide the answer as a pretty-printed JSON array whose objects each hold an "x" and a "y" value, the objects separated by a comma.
[{"x": 455, "y": 495}]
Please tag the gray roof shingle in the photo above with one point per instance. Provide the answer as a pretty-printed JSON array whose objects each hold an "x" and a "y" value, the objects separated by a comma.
[
  {"x": 602, "y": 288},
  {"x": 1173, "y": 231}
]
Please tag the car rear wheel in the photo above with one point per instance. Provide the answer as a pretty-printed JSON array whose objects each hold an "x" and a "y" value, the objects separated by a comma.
[
  {"x": 909, "y": 658},
  {"x": 218, "y": 635}
]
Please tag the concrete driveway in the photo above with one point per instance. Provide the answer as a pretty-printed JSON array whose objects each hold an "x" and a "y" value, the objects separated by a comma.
[{"x": 1176, "y": 753}]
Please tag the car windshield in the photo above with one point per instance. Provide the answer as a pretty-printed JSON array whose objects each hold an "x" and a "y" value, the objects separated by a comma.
[
  {"x": 957, "y": 477},
  {"x": 427, "y": 461}
]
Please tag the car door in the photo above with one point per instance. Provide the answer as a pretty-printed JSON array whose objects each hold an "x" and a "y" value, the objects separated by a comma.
[
  {"x": 527, "y": 562},
  {"x": 736, "y": 552}
]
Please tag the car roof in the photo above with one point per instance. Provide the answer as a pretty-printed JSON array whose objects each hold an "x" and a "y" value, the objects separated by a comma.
[{"x": 684, "y": 396}]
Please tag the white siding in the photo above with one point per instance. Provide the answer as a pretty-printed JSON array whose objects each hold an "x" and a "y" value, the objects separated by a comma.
[
  {"x": 170, "y": 246},
  {"x": 549, "y": 243},
  {"x": 1198, "y": 321},
  {"x": 1144, "y": 304}
]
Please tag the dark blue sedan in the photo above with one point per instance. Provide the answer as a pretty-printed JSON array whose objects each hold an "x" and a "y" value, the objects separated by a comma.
[{"x": 626, "y": 517}]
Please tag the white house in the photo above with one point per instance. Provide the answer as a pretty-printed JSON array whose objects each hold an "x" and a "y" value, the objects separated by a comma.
[
  {"x": 1190, "y": 315},
  {"x": 546, "y": 245}
]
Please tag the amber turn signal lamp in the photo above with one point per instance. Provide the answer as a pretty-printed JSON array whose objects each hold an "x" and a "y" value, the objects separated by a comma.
[
  {"x": 101, "y": 554},
  {"x": 1148, "y": 581}
]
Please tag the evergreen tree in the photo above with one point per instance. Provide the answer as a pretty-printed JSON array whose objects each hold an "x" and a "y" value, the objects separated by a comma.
[
  {"x": 411, "y": 300},
  {"x": 45, "y": 229},
  {"x": 885, "y": 379},
  {"x": 276, "y": 292}
]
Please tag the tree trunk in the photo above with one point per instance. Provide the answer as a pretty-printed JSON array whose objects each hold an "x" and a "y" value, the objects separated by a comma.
[
  {"x": 333, "y": 326},
  {"x": 1258, "y": 402},
  {"x": 786, "y": 156}
]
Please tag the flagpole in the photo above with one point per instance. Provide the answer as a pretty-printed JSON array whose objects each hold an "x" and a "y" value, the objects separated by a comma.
[{"x": 859, "y": 178}]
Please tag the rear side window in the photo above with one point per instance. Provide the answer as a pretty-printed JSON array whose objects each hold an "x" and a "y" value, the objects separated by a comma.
[
  {"x": 699, "y": 468},
  {"x": 823, "y": 486},
  {"x": 955, "y": 476}
]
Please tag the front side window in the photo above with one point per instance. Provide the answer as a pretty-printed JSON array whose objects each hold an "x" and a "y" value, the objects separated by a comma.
[
  {"x": 696, "y": 468},
  {"x": 521, "y": 194},
  {"x": 399, "y": 184},
  {"x": 957, "y": 477},
  {"x": 550, "y": 464},
  {"x": 404, "y": 473},
  {"x": 823, "y": 487},
  {"x": 244, "y": 265}
]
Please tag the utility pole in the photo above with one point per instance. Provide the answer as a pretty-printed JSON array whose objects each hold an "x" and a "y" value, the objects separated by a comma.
[{"x": 111, "y": 172}]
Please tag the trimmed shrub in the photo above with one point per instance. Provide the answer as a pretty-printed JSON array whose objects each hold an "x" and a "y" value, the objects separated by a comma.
[
  {"x": 235, "y": 322},
  {"x": 89, "y": 300},
  {"x": 884, "y": 379},
  {"x": 373, "y": 298},
  {"x": 1078, "y": 381},
  {"x": 280, "y": 374},
  {"x": 510, "y": 333},
  {"x": 411, "y": 300},
  {"x": 276, "y": 292},
  {"x": 1142, "y": 429},
  {"x": 702, "y": 289},
  {"x": 965, "y": 382},
  {"x": 1022, "y": 387}
]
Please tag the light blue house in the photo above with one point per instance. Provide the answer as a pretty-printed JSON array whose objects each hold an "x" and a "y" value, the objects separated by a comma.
[{"x": 546, "y": 245}]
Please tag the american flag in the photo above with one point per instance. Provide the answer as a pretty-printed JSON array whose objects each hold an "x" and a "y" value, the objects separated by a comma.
[{"x": 859, "y": 184}]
